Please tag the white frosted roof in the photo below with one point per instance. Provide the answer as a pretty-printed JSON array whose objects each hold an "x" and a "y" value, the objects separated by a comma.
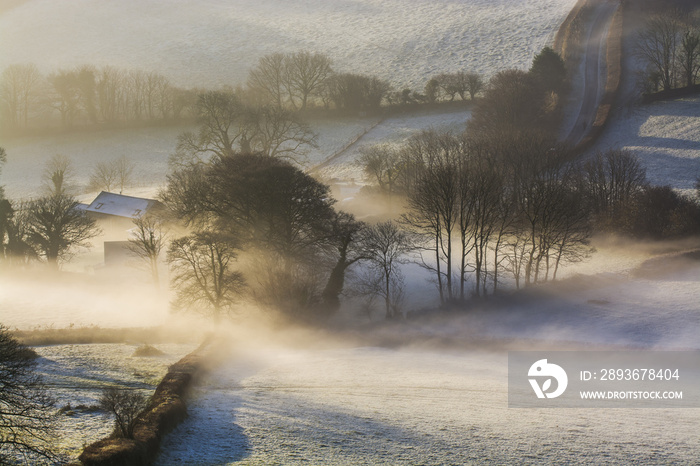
[{"x": 120, "y": 205}]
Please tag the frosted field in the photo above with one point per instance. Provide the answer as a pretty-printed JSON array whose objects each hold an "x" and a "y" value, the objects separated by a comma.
[
  {"x": 149, "y": 148},
  {"x": 379, "y": 406},
  {"x": 394, "y": 130},
  {"x": 666, "y": 138},
  {"x": 76, "y": 374},
  {"x": 342, "y": 404},
  {"x": 216, "y": 42},
  {"x": 367, "y": 405},
  {"x": 654, "y": 305}
]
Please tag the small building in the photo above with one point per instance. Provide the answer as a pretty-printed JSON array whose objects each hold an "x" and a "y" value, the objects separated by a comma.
[
  {"x": 117, "y": 211},
  {"x": 115, "y": 215}
]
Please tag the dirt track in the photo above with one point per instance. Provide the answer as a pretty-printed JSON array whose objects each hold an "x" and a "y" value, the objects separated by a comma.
[{"x": 587, "y": 93}]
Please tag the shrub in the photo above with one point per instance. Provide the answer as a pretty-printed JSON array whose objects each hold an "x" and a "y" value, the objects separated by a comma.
[{"x": 125, "y": 405}]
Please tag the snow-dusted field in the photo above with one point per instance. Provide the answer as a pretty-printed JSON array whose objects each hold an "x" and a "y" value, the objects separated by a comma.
[
  {"x": 76, "y": 374},
  {"x": 149, "y": 149},
  {"x": 666, "y": 138},
  {"x": 367, "y": 405},
  {"x": 341, "y": 164},
  {"x": 216, "y": 42},
  {"x": 381, "y": 406},
  {"x": 279, "y": 404}
]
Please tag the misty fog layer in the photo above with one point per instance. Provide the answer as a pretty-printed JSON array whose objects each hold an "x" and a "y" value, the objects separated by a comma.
[{"x": 410, "y": 378}]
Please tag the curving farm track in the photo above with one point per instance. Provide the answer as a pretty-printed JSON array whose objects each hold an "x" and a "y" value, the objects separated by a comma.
[{"x": 588, "y": 94}]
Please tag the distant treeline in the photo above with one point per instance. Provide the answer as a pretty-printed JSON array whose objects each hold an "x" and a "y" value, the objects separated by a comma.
[{"x": 88, "y": 96}]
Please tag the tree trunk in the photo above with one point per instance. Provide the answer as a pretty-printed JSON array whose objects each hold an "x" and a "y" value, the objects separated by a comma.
[
  {"x": 154, "y": 272},
  {"x": 387, "y": 295},
  {"x": 439, "y": 275},
  {"x": 334, "y": 286}
]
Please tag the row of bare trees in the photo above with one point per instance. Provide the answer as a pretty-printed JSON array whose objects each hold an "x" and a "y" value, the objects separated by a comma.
[
  {"x": 486, "y": 206},
  {"x": 446, "y": 86},
  {"x": 669, "y": 44},
  {"x": 87, "y": 95},
  {"x": 517, "y": 205},
  {"x": 297, "y": 80}
]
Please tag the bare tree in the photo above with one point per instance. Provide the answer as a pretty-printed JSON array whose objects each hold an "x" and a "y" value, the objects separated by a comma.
[
  {"x": 610, "y": 181},
  {"x": 56, "y": 226},
  {"x": 450, "y": 85},
  {"x": 658, "y": 45},
  {"x": 125, "y": 405},
  {"x": 124, "y": 168},
  {"x": 382, "y": 165},
  {"x": 689, "y": 56},
  {"x": 356, "y": 92},
  {"x": 385, "y": 246},
  {"x": 107, "y": 176},
  {"x": 481, "y": 199},
  {"x": 218, "y": 115},
  {"x": 274, "y": 209},
  {"x": 134, "y": 93},
  {"x": 202, "y": 275},
  {"x": 306, "y": 74},
  {"x": 110, "y": 93},
  {"x": 18, "y": 93},
  {"x": 228, "y": 126},
  {"x": 269, "y": 79},
  {"x": 474, "y": 84},
  {"x": 552, "y": 222},
  {"x": 445, "y": 86},
  {"x": 66, "y": 95},
  {"x": 27, "y": 414},
  {"x": 58, "y": 175},
  {"x": 344, "y": 237},
  {"x": 16, "y": 245},
  {"x": 433, "y": 202},
  {"x": 87, "y": 88},
  {"x": 103, "y": 177},
  {"x": 156, "y": 96},
  {"x": 147, "y": 242},
  {"x": 277, "y": 132},
  {"x": 166, "y": 99}
]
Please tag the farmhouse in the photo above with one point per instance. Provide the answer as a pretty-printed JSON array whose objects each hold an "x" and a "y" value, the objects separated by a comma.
[
  {"x": 115, "y": 214},
  {"x": 119, "y": 210}
]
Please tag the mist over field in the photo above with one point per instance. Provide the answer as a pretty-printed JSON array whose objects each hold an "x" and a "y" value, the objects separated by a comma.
[{"x": 272, "y": 270}]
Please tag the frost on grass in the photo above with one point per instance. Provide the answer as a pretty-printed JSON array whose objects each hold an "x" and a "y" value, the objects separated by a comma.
[
  {"x": 219, "y": 41},
  {"x": 78, "y": 374},
  {"x": 666, "y": 138}
]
